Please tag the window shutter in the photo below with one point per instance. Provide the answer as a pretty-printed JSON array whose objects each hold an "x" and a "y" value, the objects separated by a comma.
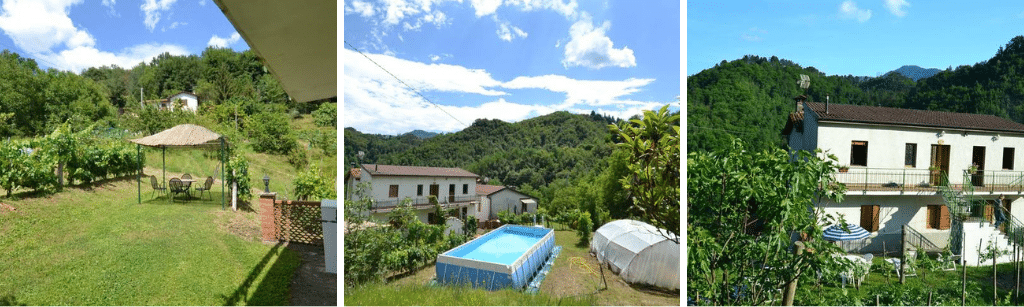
[
  {"x": 989, "y": 211},
  {"x": 869, "y": 217},
  {"x": 943, "y": 217}
]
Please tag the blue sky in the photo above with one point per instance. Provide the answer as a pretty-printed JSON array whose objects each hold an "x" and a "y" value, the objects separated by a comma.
[
  {"x": 505, "y": 59},
  {"x": 853, "y": 37},
  {"x": 76, "y": 34}
]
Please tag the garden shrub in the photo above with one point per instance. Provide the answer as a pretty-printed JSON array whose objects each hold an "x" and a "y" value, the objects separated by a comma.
[
  {"x": 270, "y": 133},
  {"x": 297, "y": 157},
  {"x": 583, "y": 230},
  {"x": 311, "y": 184},
  {"x": 326, "y": 115},
  {"x": 237, "y": 170}
]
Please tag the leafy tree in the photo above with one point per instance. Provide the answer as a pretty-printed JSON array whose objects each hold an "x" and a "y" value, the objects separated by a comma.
[
  {"x": 311, "y": 184},
  {"x": 654, "y": 170},
  {"x": 326, "y": 115},
  {"x": 237, "y": 170},
  {"x": 270, "y": 133},
  {"x": 742, "y": 208}
]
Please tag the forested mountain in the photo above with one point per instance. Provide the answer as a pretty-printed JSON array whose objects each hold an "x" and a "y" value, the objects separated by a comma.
[
  {"x": 750, "y": 98},
  {"x": 915, "y": 72},
  {"x": 556, "y": 156},
  {"x": 422, "y": 134}
]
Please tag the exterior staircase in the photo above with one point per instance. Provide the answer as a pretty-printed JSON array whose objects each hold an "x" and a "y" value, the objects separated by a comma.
[{"x": 966, "y": 233}]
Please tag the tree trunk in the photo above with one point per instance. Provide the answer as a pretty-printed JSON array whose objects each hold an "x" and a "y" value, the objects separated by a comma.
[{"x": 787, "y": 298}]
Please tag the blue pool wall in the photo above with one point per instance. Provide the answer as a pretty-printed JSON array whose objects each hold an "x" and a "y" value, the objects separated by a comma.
[{"x": 494, "y": 276}]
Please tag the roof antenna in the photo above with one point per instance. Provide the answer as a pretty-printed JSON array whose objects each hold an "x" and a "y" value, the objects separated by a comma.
[{"x": 804, "y": 83}]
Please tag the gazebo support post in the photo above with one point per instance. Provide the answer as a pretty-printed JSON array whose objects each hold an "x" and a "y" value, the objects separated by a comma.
[
  {"x": 163, "y": 161},
  {"x": 224, "y": 172},
  {"x": 138, "y": 157}
]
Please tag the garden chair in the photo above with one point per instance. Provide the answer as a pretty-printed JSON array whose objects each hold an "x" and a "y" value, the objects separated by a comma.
[
  {"x": 206, "y": 188},
  {"x": 177, "y": 187},
  {"x": 948, "y": 263},
  {"x": 909, "y": 271},
  {"x": 157, "y": 186},
  {"x": 186, "y": 176}
]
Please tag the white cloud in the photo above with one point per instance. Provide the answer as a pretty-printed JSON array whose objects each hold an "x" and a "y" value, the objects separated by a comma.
[
  {"x": 424, "y": 77},
  {"x": 373, "y": 97},
  {"x": 896, "y": 7},
  {"x": 221, "y": 42},
  {"x": 437, "y": 18},
  {"x": 566, "y": 8},
  {"x": 178, "y": 24},
  {"x": 507, "y": 31},
  {"x": 588, "y": 46},
  {"x": 849, "y": 10},
  {"x": 202, "y": 2},
  {"x": 588, "y": 92},
  {"x": 485, "y": 7},
  {"x": 362, "y": 8},
  {"x": 80, "y": 58},
  {"x": 152, "y": 10},
  {"x": 110, "y": 4},
  {"x": 44, "y": 31}
]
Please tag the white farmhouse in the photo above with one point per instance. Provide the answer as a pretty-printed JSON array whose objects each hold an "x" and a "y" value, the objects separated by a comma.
[
  {"x": 390, "y": 184},
  {"x": 897, "y": 163},
  {"x": 494, "y": 199},
  {"x": 189, "y": 101}
]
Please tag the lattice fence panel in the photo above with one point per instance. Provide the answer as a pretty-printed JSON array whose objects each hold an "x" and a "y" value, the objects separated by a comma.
[{"x": 299, "y": 221}]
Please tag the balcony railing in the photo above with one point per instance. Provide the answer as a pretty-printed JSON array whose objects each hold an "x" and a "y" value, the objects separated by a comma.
[
  {"x": 909, "y": 179},
  {"x": 423, "y": 200}
]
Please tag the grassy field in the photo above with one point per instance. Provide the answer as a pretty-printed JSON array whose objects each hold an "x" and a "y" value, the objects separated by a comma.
[
  {"x": 883, "y": 280},
  {"x": 566, "y": 284},
  {"x": 94, "y": 245}
]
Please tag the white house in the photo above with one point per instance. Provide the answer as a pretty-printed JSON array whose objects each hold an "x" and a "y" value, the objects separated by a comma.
[
  {"x": 189, "y": 101},
  {"x": 390, "y": 184},
  {"x": 494, "y": 199},
  {"x": 897, "y": 159}
]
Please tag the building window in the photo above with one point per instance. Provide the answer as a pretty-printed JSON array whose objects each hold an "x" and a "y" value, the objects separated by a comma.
[
  {"x": 394, "y": 191},
  {"x": 524, "y": 208},
  {"x": 1008, "y": 158},
  {"x": 465, "y": 188},
  {"x": 911, "y": 155},
  {"x": 859, "y": 153},
  {"x": 938, "y": 217},
  {"x": 419, "y": 190},
  {"x": 869, "y": 217}
]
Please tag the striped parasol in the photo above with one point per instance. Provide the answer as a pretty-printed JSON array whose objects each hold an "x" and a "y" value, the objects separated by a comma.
[{"x": 836, "y": 233}]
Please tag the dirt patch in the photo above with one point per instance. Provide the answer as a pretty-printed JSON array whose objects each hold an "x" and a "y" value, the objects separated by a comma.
[
  {"x": 4, "y": 208},
  {"x": 237, "y": 223}
]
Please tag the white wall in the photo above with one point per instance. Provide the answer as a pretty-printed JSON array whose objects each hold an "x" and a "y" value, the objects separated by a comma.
[
  {"x": 983, "y": 233},
  {"x": 191, "y": 101},
  {"x": 485, "y": 209},
  {"x": 407, "y": 186},
  {"x": 887, "y": 146},
  {"x": 894, "y": 212},
  {"x": 509, "y": 200}
]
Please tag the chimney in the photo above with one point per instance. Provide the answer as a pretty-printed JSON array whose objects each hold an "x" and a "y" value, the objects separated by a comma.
[
  {"x": 826, "y": 103},
  {"x": 800, "y": 103}
]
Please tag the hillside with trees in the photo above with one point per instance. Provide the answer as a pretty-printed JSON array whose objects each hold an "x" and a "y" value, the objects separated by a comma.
[
  {"x": 750, "y": 98},
  {"x": 238, "y": 97},
  {"x": 569, "y": 161}
]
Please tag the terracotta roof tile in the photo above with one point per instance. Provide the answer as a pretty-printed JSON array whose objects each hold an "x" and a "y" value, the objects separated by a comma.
[
  {"x": 399, "y": 170},
  {"x": 486, "y": 189},
  {"x": 909, "y": 117}
]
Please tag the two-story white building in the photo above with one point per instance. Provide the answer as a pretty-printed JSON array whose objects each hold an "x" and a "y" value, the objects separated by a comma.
[
  {"x": 495, "y": 198},
  {"x": 895, "y": 163},
  {"x": 390, "y": 184}
]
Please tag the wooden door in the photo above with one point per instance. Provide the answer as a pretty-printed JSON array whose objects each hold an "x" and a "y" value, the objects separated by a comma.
[
  {"x": 978, "y": 158},
  {"x": 435, "y": 190},
  {"x": 451, "y": 193},
  {"x": 940, "y": 158}
]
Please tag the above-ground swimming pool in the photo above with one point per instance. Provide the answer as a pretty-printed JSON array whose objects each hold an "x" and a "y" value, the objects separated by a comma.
[{"x": 505, "y": 257}]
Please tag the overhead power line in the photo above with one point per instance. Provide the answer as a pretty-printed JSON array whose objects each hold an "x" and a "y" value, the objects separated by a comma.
[{"x": 406, "y": 84}]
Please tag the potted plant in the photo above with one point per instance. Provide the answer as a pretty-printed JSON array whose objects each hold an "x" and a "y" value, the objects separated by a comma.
[
  {"x": 972, "y": 169},
  {"x": 934, "y": 169},
  {"x": 843, "y": 168}
]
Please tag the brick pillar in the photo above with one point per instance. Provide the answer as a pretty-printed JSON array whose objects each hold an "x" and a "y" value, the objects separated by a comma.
[{"x": 267, "y": 226}]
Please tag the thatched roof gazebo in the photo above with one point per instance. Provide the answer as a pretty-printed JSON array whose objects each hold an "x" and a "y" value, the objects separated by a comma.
[{"x": 184, "y": 136}]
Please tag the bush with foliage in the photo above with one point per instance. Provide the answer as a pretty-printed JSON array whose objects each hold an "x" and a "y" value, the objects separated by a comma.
[
  {"x": 237, "y": 170},
  {"x": 311, "y": 184},
  {"x": 297, "y": 157},
  {"x": 326, "y": 115},
  {"x": 583, "y": 230},
  {"x": 270, "y": 133}
]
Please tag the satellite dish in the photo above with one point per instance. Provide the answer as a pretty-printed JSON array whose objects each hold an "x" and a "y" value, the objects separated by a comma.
[{"x": 804, "y": 82}]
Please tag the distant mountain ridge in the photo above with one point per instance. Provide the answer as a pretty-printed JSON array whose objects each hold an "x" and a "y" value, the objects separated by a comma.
[
  {"x": 422, "y": 134},
  {"x": 917, "y": 72}
]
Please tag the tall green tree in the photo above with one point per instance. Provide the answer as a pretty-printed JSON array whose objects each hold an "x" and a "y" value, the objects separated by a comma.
[
  {"x": 654, "y": 170},
  {"x": 743, "y": 206}
]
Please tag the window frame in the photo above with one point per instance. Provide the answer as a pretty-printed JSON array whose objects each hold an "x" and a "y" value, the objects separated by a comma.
[
  {"x": 393, "y": 191},
  {"x": 1011, "y": 157},
  {"x": 855, "y": 153},
  {"x": 910, "y": 155}
]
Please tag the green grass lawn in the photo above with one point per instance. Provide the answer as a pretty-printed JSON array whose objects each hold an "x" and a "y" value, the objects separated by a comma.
[
  {"x": 884, "y": 279},
  {"x": 95, "y": 245},
  {"x": 566, "y": 284}
]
